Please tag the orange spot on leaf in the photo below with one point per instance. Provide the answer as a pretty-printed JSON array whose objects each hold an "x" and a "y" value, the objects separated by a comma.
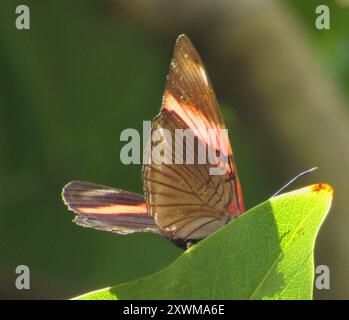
[{"x": 322, "y": 187}]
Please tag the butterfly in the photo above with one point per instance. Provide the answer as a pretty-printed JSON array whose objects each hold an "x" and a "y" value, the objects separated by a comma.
[{"x": 183, "y": 202}]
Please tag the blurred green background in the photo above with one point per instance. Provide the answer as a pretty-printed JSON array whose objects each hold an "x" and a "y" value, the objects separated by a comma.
[{"x": 86, "y": 70}]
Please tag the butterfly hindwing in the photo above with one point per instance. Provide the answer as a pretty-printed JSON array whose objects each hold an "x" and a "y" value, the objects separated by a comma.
[{"x": 109, "y": 209}]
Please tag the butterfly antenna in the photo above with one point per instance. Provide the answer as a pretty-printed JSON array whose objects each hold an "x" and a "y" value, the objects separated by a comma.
[{"x": 294, "y": 179}]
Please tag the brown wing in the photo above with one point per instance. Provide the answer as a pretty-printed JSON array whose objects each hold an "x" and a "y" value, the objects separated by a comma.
[
  {"x": 108, "y": 209},
  {"x": 187, "y": 201}
]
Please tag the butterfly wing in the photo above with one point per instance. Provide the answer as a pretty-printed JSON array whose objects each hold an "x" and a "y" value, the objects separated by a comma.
[
  {"x": 109, "y": 209},
  {"x": 188, "y": 202}
]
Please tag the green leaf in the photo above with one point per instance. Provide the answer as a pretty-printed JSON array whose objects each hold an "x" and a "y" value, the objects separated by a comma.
[{"x": 267, "y": 253}]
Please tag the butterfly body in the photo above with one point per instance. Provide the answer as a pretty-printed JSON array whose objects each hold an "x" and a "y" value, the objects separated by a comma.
[{"x": 183, "y": 201}]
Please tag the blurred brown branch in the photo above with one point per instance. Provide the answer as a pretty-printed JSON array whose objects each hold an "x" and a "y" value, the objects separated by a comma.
[{"x": 265, "y": 66}]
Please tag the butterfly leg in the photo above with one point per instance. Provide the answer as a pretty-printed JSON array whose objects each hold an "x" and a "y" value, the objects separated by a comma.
[{"x": 190, "y": 243}]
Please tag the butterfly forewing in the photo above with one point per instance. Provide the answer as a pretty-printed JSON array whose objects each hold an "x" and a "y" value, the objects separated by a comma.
[
  {"x": 109, "y": 209},
  {"x": 187, "y": 201}
]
